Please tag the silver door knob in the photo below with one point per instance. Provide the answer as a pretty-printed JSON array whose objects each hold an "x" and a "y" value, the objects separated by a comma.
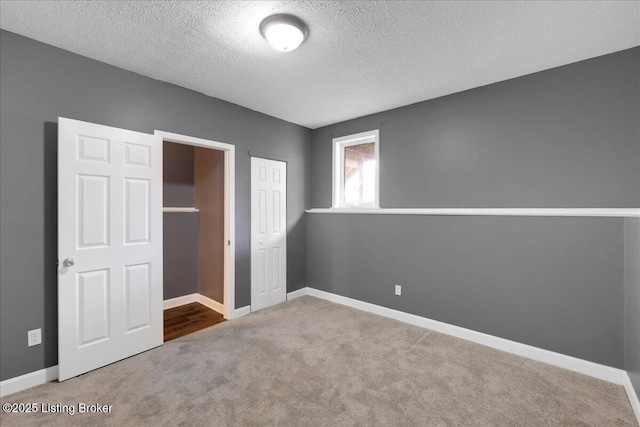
[{"x": 68, "y": 262}]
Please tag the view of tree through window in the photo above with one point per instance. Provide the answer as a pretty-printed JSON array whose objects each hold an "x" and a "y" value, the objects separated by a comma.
[{"x": 359, "y": 173}]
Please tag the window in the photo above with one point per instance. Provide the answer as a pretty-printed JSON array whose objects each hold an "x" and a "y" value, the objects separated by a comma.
[{"x": 356, "y": 170}]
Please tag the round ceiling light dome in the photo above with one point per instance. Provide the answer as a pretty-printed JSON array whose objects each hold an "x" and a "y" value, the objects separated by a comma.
[{"x": 284, "y": 32}]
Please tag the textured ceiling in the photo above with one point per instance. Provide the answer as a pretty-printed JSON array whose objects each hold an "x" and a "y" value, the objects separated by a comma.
[{"x": 361, "y": 57}]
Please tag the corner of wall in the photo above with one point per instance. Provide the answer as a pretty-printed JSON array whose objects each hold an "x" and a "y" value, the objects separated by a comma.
[{"x": 632, "y": 301}]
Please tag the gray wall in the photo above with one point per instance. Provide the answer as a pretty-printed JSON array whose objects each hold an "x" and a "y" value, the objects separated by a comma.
[
  {"x": 180, "y": 230},
  {"x": 180, "y": 257},
  {"x": 566, "y": 137},
  {"x": 632, "y": 307},
  {"x": 539, "y": 281},
  {"x": 178, "y": 167},
  {"x": 39, "y": 83}
]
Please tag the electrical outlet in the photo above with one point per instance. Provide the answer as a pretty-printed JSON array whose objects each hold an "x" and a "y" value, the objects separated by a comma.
[
  {"x": 398, "y": 290},
  {"x": 34, "y": 337}
]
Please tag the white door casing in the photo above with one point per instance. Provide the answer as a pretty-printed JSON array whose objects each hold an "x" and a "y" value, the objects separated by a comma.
[
  {"x": 110, "y": 225},
  {"x": 229, "y": 209},
  {"x": 268, "y": 233}
]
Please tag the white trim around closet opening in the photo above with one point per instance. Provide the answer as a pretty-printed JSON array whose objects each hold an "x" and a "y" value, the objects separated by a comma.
[{"x": 229, "y": 211}]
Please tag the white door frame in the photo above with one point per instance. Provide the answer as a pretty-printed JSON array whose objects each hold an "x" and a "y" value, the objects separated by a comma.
[{"x": 229, "y": 210}]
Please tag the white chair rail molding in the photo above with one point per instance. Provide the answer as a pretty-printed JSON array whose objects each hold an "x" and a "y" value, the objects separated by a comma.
[{"x": 552, "y": 212}]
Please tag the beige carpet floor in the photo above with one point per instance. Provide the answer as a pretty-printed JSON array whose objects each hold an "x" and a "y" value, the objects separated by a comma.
[{"x": 309, "y": 362}]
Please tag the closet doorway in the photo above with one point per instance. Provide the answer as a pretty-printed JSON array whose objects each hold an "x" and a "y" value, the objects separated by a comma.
[{"x": 198, "y": 217}]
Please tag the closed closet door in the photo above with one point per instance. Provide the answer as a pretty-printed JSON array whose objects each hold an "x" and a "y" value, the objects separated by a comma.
[{"x": 268, "y": 233}]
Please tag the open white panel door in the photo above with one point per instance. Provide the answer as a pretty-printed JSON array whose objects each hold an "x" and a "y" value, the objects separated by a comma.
[
  {"x": 109, "y": 245},
  {"x": 268, "y": 233}
]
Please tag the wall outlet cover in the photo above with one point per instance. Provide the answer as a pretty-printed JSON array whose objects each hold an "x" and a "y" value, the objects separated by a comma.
[
  {"x": 34, "y": 337},
  {"x": 398, "y": 290}
]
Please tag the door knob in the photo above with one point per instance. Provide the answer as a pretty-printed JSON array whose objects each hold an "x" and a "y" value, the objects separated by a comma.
[{"x": 68, "y": 262}]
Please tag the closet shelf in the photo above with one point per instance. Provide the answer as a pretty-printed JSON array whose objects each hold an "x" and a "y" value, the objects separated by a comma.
[{"x": 169, "y": 209}]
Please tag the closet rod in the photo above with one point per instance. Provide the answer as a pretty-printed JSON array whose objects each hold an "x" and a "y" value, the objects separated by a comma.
[{"x": 168, "y": 209}]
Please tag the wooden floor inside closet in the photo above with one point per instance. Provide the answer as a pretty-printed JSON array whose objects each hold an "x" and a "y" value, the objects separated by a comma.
[{"x": 189, "y": 318}]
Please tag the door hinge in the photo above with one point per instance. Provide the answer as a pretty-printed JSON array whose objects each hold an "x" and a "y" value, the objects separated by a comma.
[{"x": 229, "y": 242}]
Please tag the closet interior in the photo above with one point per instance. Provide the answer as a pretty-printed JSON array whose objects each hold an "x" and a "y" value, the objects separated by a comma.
[{"x": 193, "y": 214}]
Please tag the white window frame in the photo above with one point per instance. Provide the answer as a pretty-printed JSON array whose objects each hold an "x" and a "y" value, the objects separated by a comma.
[{"x": 339, "y": 145}]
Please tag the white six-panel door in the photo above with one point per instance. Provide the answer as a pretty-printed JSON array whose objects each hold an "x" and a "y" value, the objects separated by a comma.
[
  {"x": 268, "y": 232},
  {"x": 109, "y": 245}
]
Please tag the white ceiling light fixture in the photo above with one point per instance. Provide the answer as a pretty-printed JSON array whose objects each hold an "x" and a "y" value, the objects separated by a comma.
[{"x": 284, "y": 32}]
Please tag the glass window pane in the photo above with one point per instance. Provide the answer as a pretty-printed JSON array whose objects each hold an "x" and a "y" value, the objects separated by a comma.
[{"x": 360, "y": 174}]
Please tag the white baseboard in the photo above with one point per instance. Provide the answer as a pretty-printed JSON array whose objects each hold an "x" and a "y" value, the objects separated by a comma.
[
  {"x": 32, "y": 379},
  {"x": 212, "y": 304},
  {"x": 596, "y": 370},
  {"x": 633, "y": 397},
  {"x": 191, "y": 298},
  {"x": 177, "y": 302},
  {"x": 297, "y": 294},
  {"x": 242, "y": 311}
]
